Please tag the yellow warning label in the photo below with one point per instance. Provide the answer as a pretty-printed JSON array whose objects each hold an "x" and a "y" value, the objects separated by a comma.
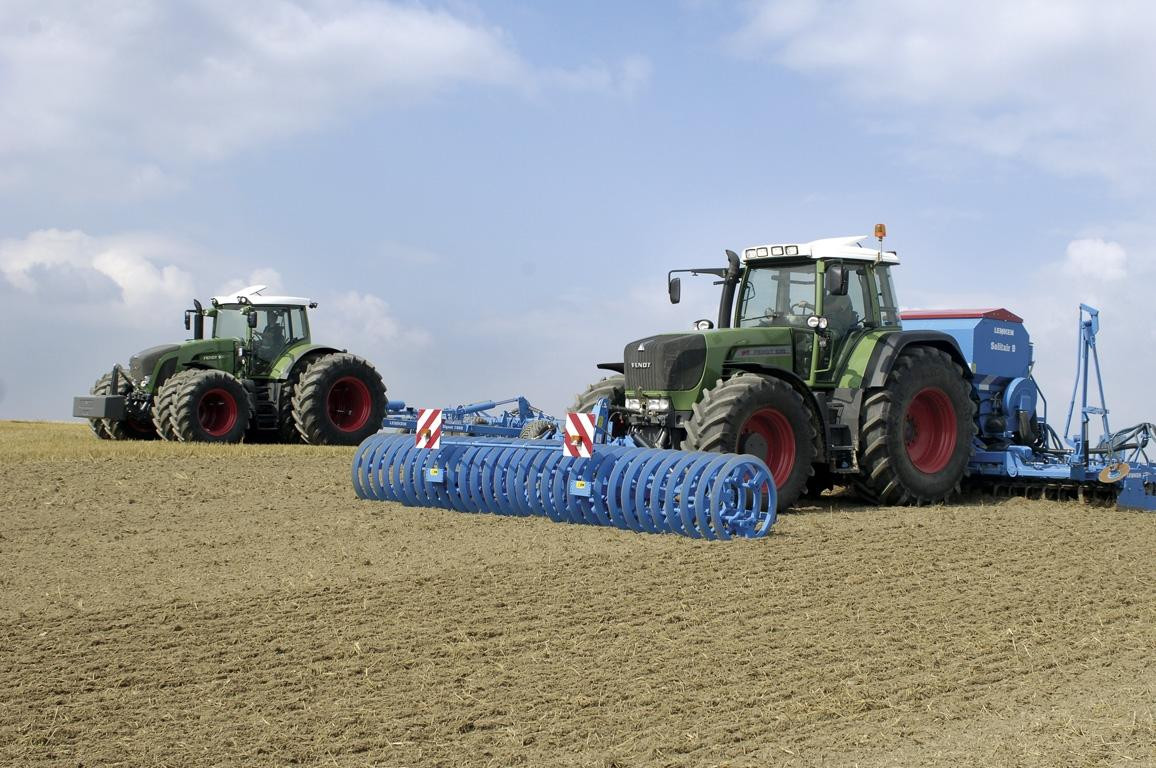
[
  {"x": 434, "y": 471},
  {"x": 579, "y": 484}
]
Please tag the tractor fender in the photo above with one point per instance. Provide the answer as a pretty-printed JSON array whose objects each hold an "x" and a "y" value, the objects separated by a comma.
[
  {"x": 799, "y": 386},
  {"x": 890, "y": 346},
  {"x": 299, "y": 355}
]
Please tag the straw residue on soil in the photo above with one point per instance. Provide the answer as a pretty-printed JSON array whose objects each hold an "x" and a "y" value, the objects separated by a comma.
[{"x": 168, "y": 604}]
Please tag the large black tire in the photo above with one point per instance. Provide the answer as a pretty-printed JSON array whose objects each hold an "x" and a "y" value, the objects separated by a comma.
[
  {"x": 210, "y": 406},
  {"x": 761, "y": 416},
  {"x": 340, "y": 400},
  {"x": 916, "y": 432},
  {"x": 536, "y": 428},
  {"x": 102, "y": 387},
  {"x": 614, "y": 389},
  {"x": 126, "y": 429},
  {"x": 163, "y": 404}
]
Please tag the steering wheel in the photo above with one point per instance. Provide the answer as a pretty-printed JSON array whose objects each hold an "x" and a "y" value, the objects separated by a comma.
[{"x": 804, "y": 305}]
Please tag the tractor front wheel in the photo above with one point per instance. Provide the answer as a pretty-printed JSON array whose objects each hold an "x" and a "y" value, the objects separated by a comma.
[
  {"x": 339, "y": 400},
  {"x": 916, "y": 434},
  {"x": 101, "y": 388},
  {"x": 613, "y": 388},
  {"x": 210, "y": 406},
  {"x": 125, "y": 429},
  {"x": 761, "y": 416},
  {"x": 163, "y": 405}
]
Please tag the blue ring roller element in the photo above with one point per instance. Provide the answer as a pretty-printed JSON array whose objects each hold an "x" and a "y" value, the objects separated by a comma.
[{"x": 700, "y": 495}]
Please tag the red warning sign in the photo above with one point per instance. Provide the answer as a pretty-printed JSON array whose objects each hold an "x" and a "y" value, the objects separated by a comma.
[
  {"x": 429, "y": 428},
  {"x": 579, "y": 437}
]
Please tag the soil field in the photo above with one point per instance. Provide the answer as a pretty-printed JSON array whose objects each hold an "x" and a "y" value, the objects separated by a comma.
[{"x": 190, "y": 605}]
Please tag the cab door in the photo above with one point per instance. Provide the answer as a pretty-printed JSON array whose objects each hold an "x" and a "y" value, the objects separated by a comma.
[{"x": 847, "y": 307}]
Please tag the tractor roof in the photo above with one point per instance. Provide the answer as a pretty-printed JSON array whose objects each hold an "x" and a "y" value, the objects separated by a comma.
[
  {"x": 253, "y": 295},
  {"x": 827, "y": 248}
]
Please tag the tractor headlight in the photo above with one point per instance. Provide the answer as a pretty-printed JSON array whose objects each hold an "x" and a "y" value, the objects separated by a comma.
[
  {"x": 814, "y": 321},
  {"x": 648, "y": 404},
  {"x": 703, "y": 325}
]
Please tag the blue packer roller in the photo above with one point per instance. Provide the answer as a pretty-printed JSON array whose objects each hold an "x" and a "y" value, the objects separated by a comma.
[{"x": 700, "y": 495}]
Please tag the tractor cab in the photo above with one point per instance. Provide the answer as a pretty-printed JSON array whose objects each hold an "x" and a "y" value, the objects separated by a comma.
[
  {"x": 266, "y": 326},
  {"x": 829, "y": 293}
]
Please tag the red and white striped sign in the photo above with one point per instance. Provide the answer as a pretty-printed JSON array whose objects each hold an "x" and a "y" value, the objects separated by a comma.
[
  {"x": 429, "y": 428},
  {"x": 579, "y": 437}
]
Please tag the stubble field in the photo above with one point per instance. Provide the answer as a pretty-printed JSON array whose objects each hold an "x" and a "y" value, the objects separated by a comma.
[{"x": 190, "y": 605}]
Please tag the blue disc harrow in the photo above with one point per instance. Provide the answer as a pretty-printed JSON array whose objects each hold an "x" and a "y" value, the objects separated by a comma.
[{"x": 700, "y": 495}]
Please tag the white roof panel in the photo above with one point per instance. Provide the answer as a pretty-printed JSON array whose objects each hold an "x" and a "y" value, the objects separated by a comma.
[
  {"x": 252, "y": 294},
  {"x": 826, "y": 248}
]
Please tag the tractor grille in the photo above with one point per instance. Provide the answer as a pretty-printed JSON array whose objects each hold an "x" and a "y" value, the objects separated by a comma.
[
  {"x": 144, "y": 363},
  {"x": 664, "y": 363}
]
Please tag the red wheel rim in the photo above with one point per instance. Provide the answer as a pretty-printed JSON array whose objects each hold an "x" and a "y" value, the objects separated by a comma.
[
  {"x": 349, "y": 404},
  {"x": 217, "y": 412},
  {"x": 929, "y": 430},
  {"x": 768, "y": 435}
]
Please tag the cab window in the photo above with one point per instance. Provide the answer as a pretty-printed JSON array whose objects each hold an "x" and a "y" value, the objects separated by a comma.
[
  {"x": 888, "y": 311},
  {"x": 778, "y": 296}
]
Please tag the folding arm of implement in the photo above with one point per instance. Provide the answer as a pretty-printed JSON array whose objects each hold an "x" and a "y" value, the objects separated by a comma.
[{"x": 620, "y": 484}]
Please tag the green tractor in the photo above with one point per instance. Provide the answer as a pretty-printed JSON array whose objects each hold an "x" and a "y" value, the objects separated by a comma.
[
  {"x": 258, "y": 376},
  {"x": 811, "y": 370}
]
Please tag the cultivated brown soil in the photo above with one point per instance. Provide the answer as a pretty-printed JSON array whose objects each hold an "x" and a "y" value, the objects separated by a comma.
[{"x": 169, "y": 604}]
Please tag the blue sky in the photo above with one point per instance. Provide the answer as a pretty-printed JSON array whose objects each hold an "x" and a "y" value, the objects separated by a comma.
[{"x": 485, "y": 197}]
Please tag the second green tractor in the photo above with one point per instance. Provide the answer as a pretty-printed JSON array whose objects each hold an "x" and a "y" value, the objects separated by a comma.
[{"x": 257, "y": 375}]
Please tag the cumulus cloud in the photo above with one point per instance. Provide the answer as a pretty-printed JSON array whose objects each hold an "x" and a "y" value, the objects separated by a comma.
[
  {"x": 129, "y": 272},
  {"x": 365, "y": 317},
  {"x": 1064, "y": 84},
  {"x": 1096, "y": 260},
  {"x": 134, "y": 92}
]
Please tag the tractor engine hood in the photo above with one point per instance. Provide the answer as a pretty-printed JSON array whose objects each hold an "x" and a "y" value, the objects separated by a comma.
[
  {"x": 670, "y": 361},
  {"x": 144, "y": 363}
]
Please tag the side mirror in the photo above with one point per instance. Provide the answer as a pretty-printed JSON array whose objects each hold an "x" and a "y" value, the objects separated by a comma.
[
  {"x": 188, "y": 321},
  {"x": 252, "y": 319},
  {"x": 674, "y": 288},
  {"x": 835, "y": 280}
]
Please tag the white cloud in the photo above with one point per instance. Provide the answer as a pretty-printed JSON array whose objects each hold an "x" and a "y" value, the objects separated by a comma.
[
  {"x": 125, "y": 272},
  {"x": 631, "y": 75},
  {"x": 352, "y": 316},
  {"x": 130, "y": 94},
  {"x": 1095, "y": 260},
  {"x": 1064, "y": 84}
]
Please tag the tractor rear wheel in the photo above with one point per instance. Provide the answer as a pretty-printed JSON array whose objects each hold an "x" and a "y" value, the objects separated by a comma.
[
  {"x": 761, "y": 416},
  {"x": 210, "y": 406},
  {"x": 613, "y": 388},
  {"x": 916, "y": 433},
  {"x": 102, "y": 387},
  {"x": 339, "y": 400}
]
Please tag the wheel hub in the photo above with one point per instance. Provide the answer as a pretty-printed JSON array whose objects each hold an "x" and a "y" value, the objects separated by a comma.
[
  {"x": 217, "y": 412},
  {"x": 349, "y": 404},
  {"x": 929, "y": 430},
  {"x": 768, "y": 435}
]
